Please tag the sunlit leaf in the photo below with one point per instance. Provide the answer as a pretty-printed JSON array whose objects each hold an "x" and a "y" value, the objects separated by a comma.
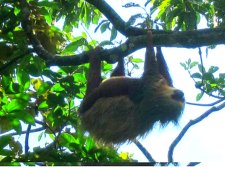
[
  {"x": 14, "y": 105},
  {"x": 43, "y": 88},
  {"x": 66, "y": 139},
  {"x": 43, "y": 105},
  {"x": 23, "y": 79},
  {"x": 89, "y": 144},
  {"x": 137, "y": 60},
  {"x": 193, "y": 64},
  {"x": 16, "y": 124}
]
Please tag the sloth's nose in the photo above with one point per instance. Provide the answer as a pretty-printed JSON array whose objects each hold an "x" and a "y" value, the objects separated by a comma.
[{"x": 178, "y": 95}]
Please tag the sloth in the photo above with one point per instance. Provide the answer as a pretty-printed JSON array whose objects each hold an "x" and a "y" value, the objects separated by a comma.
[{"x": 121, "y": 108}]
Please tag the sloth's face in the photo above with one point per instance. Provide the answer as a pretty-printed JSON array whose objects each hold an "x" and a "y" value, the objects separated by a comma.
[{"x": 166, "y": 102}]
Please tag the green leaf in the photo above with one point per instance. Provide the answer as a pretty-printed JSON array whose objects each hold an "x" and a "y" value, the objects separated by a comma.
[
  {"x": 23, "y": 96},
  {"x": 133, "y": 19},
  {"x": 162, "y": 8},
  {"x": 79, "y": 77},
  {"x": 23, "y": 79},
  {"x": 66, "y": 139},
  {"x": 208, "y": 76},
  {"x": 43, "y": 88},
  {"x": 73, "y": 46},
  {"x": 43, "y": 105},
  {"x": 201, "y": 68},
  {"x": 89, "y": 144},
  {"x": 196, "y": 75},
  {"x": 105, "y": 43},
  {"x": 40, "y": 136},
  {"x": 193, "y": 64},
  {"x": 28, "y": 118},
  {"x": 54, "y": 100},
  {"x": 213, "y": 69},
  {"x": 199, "y": 96},
  {"x": 57, "y": 88},
  {"x": 14, "y": 88},
  {"x": 100, "y": 24},
  {"x": 14, "y": 105},
  {"x": 113, "y": 34},
  {"x": 137, "y": 60},
  {"x": 104, "y": 26},
  {"x": 107, "y": 67},
  {"x": 4, "y": 141},
  {"x": 33, "y": 70},
  {"x": 184, "y": 66},
  {"x": 16, "y": 124},
  {"x": 5, "y": 81}
]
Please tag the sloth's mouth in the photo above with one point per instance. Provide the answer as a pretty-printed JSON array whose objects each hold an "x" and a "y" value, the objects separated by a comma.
[{"x": 178, "y": 95}]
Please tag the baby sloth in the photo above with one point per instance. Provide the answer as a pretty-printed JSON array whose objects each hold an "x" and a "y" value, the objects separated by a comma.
[{"x": 121, "y": 108}]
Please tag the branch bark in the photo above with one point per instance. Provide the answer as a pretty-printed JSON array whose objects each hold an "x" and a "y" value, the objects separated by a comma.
[
  {"x": 115, "y": 19},
  {"x": 136, "y": 38},
  {"x": 144, "y": 151},
  {"x": 188, "y": 39}
]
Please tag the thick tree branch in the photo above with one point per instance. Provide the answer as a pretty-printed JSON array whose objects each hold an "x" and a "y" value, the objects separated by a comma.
[
  {"x": 115, "y": 19},
  {"x": 13, "y": 61},
  {"x": 188, "y": 39},
  {"x": 191, "y": 123}
]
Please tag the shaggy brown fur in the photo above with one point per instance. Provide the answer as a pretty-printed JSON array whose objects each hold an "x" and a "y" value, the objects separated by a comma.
[{"x": 122, "y": 108}]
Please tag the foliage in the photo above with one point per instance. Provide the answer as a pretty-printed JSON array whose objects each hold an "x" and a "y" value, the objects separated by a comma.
[
  {"x": 206, "y": 79},
  {"x": 34, "y": 94}
]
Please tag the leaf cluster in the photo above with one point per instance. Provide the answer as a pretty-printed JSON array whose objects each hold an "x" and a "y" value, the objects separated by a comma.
[{"x": 209, "y": 81}]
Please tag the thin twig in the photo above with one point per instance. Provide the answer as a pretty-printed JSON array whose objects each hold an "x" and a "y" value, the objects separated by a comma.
[
  {"x": 23, "y": 132},
  {"x": 208, "y": 104},
  {"x": 144, "y": 151},
  {"x": 193, "y": 164},
  {"x": 191, "y": 123}
]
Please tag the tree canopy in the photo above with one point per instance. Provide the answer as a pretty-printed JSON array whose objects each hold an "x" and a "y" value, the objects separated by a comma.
[{"x": 36, "y": 97}]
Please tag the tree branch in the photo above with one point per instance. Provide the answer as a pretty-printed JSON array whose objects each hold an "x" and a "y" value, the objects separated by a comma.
[
  {"x": 191, "y": 164},
  {"x": 188, "y": 39},
  {"x": 27, "y": 26},
  {"x": 115, "y": 19},
  {"x": 144, "y": 151},
  {"x": 13, "y": 61},
  {"x": 191, "y": 123},
  {"x": 23, "y": 132},
  {"x": 27, "y": 140},
  {"x": 205, "y": 104}
]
